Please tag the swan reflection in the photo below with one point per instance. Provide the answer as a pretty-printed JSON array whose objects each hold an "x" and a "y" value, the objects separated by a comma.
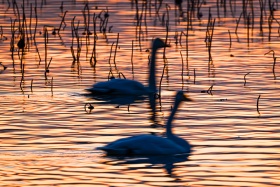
[{"x": 167, "y": 162}]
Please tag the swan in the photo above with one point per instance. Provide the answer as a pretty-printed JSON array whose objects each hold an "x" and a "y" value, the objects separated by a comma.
[
  {"x": 131, "y": 87},
  {"x": 147, "y": 144}
]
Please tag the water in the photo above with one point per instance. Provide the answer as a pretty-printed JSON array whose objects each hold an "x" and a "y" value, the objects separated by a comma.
[{"x": 48, "y": 139}]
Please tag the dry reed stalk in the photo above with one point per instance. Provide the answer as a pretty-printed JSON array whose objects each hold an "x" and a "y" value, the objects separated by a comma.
[
  {"x": 116, "y": 47},
  {"x": 182, "y": 69},
  {"x": 229, "y": 39},
  {"x": 52, "y": 86},
  {"x": 245, "y": 78},
  {"x": 111, "y": 54},
  {"x": 274, "y": 62},
  {"x": 46, "y": 38},
  {"x": 258, "y": 100},
  {"x": 131, "y": 59},
  {"x": 93, "y": 59},
  {"x": 261, "y": 3},
  {"x": 248, "y": 30},
  {"x": 31, "y": 87},
  {"x": 209, "y": 37},
  {"x": 194, "y": 76}
]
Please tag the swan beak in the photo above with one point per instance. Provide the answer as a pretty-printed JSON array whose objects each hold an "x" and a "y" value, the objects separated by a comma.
[
  {"x": 167, "y": 45},
  {"x": 187, "y": 98}
]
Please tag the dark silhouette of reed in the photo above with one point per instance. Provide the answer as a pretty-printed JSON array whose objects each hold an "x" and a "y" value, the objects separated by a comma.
[
  {"x": 258, "y": 100},
  {"x": 274, "y": 62},
  {"x": 229, "y": 39},
  {"x": 131, "y": 59},
  {"x": 31, "y": 86},
  {"x": 182, "y": 69},
  {"x": 47, "y": 64},
  {"x": 103, "y": 20},
  {"x": 76, "y": 36},
  {"x": 245, "y": 78},
  {"x": 179, "y": 7},
  {"x": 209, "y": 37},
  {"x": 194, "y": 76},
  {"x": 109, "y": 61},
  {"x": 116, "y": 47},
  {"x": 93, "y": 59}
]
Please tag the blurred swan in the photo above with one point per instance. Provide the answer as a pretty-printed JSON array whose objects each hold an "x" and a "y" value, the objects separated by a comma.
[
  {"x": 131, "y": 87},
  {"x": 151, "y": 144}
]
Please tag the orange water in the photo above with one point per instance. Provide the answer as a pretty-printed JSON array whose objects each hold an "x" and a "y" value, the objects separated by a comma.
[{"x": 48, "y": 139}]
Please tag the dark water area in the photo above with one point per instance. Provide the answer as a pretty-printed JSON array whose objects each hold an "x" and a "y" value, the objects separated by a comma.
[{"x": 223, "y": 55}]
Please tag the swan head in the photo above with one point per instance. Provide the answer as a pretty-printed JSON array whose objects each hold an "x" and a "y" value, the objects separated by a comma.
[
  {"x": 159, "y": 43},
  {"x": 181, "y": 96}
]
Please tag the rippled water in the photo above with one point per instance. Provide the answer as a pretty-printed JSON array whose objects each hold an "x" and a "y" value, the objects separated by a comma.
[{"x": 49, "y": 139}]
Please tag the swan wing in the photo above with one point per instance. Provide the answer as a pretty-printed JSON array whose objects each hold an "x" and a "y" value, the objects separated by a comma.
[
  {"x": 118, "y": 86},
  {"x": 142, "y": 145}
]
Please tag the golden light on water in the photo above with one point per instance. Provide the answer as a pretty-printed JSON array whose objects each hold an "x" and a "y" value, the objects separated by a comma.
[{"x": 49, "y": 136}]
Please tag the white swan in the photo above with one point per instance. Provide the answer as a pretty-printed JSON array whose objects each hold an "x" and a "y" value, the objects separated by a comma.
[
  {"x": 152, "y": 144},
  {"x": 131, "y": 87}
]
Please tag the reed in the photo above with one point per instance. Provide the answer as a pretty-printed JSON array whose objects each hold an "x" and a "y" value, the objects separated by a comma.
[
  {"x": 252, "y": 16},
  {"x": 209, "y": 91},
  {"x": 62, "y": 22},
  {"x": 121, "y": 75},
  {"x": 245, "y": 78},
  {"x": 274, "y": 62},
  {"x": 110, "y": 75},
  {"x": 86, "y": 16},
  {"x": 34, "y": 33},
  {"x": 166, "y": 38},
  {"x": 144, "y": 15},
  {"x": 109, "y": 61},
  {"x": 116, "y": 47},
  {"x": 160, "y": 82},
  {"x": 52, "y": 86},
  {"x": 104, "y": 21},
  {"x": 199, "y": 13},
  {"x": 209, "y": 37},
  {"x": 194, "y": 76},
  {"x": 182, "y": 69},
  {"x": 187, "y": 41},
  {"x": 179, "y": 7},
  {"x": 261, "y": 3},
  {"x": 248, "y": 29},
  {"x": 271, "y": 18},
  {"x": 31, "y": 85},
  {"x": 218, "y": 8},
  {"x": 229, "y": 39},
  {"x": 258, "y": 100},
  {"x": 93, "y": 59},
  {"x": 237, "y": 22},
  {"x": 75, "y": 35},
  {"x": 12, "y": 48},
  {"x": 61, "y": 6},
  {"x": 46, "y": 40},
  {"x": 21, "y": 83},
  {"x": 86, "y": 32},
  {"x": 30, "y": 21},
  {"x": 131, "y": 59}
]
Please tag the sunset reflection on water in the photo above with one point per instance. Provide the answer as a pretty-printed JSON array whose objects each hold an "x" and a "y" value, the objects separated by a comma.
[{"x": 48, "y": 139}]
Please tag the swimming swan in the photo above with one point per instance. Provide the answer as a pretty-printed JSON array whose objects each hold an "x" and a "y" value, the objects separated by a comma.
[
  {"x": 131, "y": 87},
  {"x": 151, "y": 144}
]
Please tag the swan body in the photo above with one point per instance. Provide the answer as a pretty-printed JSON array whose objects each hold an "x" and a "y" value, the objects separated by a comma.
[
  {"x": 151, "y": 144},
  {"x": 119, "y": 87},
  {"x": 131, "y": 87}
]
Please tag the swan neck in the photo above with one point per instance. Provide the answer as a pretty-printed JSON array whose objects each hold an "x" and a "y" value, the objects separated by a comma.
[
  {"x": 152, "y": 78},
  {"x": 170, "y": 119}
]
